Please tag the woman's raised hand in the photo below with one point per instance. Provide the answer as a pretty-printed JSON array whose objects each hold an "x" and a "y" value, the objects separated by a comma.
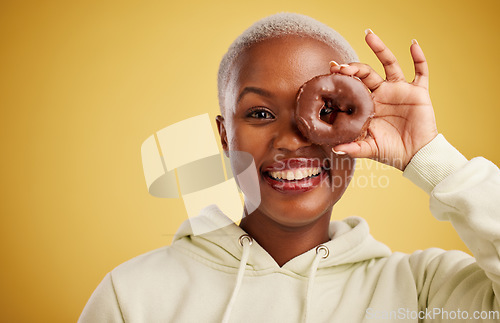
[{"x": 404, "y": 118}]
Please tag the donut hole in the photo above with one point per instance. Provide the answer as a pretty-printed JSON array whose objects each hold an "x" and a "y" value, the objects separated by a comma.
[{"x": 328, "y": 112}]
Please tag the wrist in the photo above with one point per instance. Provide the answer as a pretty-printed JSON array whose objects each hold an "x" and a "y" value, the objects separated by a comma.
[
  {"x": 433, "y": 163},
  {"x": 421, "y": 144}
]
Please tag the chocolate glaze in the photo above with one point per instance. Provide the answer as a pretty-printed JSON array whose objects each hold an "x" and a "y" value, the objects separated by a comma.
[{"x": 350, "y": 102}]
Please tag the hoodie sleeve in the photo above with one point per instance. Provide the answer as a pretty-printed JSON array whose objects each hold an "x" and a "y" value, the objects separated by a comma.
[
  {"x": 103, "y": 305},
  {"x": 466, "y": 193}
]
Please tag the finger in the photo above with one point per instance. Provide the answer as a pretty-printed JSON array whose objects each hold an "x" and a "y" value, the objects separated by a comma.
[
  {"x": 345, "y": 69},
  {"x": 421, "y": 67},
  {"x": 358, "y": 149},
  {"x": 362, "y": 71},
  {"x": 392, "y": 69}
]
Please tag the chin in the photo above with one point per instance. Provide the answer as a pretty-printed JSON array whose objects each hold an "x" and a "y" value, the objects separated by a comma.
[{"x": 298, "y": 213}]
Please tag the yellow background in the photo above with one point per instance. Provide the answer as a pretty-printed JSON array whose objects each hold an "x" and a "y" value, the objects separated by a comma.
[{"x": 84, "y": 83}]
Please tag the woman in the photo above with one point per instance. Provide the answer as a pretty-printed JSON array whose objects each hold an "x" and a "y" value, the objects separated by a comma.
[{"x": 286, "y": 262}]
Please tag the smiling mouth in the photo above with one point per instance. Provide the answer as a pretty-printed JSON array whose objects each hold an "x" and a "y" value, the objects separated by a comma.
[{"x": 298, "y": 174}]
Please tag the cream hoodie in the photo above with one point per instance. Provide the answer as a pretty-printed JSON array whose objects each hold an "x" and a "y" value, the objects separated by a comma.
[{"x": 221, "y": 277}]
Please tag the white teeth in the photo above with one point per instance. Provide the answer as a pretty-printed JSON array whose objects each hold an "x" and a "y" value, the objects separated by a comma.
[{"x": 296, "y": 174}]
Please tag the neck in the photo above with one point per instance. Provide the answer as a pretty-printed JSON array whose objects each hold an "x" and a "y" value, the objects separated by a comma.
[{"x": 283, "y": 242}]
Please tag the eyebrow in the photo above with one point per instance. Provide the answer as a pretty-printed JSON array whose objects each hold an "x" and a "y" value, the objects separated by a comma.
[{"x": 256, "y": 90}]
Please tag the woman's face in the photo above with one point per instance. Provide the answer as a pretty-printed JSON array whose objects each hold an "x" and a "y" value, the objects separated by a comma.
[{"x": 299, "y": 181}]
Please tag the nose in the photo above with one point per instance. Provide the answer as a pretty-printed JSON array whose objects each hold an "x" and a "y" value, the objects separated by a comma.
[{"x": 288, "y": 136}]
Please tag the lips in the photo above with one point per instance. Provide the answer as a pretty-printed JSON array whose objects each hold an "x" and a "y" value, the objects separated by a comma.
[{"x": 295, "y": 175}]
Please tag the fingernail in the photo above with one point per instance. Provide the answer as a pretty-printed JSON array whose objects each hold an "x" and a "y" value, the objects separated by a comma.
[
  {"x": 344, "y": 65},
  {"x": 414, "y": 41},
  {"x": 339, "y": 152},
  {"x": 333, "y": 63},
  {"x": 368, "y": 31}
]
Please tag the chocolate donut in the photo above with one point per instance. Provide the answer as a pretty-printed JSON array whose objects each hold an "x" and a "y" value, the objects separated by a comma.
[{"x": 334, "y": 109}]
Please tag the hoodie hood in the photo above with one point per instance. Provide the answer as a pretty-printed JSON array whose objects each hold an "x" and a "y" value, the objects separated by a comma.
[{"x": 350, "y": 243}]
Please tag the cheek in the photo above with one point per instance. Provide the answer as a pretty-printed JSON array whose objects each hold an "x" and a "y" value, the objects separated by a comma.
[
  {"x": 341, "y": 172},
  {"x": 248, "y": 139}
]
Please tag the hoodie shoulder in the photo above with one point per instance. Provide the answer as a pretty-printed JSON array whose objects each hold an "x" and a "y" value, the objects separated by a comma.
[
  {"x": 149, "y": 260},
  {"x": 157, "y": 265}
]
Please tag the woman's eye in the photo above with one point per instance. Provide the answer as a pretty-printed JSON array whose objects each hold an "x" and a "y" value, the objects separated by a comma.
[
  {"x": 325, "y": 110},
  {"x": 261, "y": 114}
]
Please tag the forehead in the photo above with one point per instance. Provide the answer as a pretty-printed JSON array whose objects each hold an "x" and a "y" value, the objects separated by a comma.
[{"x": 283, "y": 63}]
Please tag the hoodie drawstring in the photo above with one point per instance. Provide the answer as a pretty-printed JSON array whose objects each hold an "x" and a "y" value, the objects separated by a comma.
[
  {"x": 322, "y": 252},
  {"x": 245, "y": 241}
]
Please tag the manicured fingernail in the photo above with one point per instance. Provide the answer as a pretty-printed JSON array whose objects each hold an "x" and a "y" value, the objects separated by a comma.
[
  {"x": 368, "y": 31},
  {"x": 414, "y": 41},
  {"x": 344, "y": 65},
  {"x": 333, "y": 63},
  {"x": 339, "y": 152}
]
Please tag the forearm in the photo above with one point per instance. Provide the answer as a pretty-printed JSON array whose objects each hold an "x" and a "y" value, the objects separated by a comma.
[{"x": 466, "y": 193}]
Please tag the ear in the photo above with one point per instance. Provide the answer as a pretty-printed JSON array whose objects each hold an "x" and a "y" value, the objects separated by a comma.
[{"x": 222, "y": 133}]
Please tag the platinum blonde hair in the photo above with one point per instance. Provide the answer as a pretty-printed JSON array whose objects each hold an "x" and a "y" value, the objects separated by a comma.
[{"x": 281, "y": 24}]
